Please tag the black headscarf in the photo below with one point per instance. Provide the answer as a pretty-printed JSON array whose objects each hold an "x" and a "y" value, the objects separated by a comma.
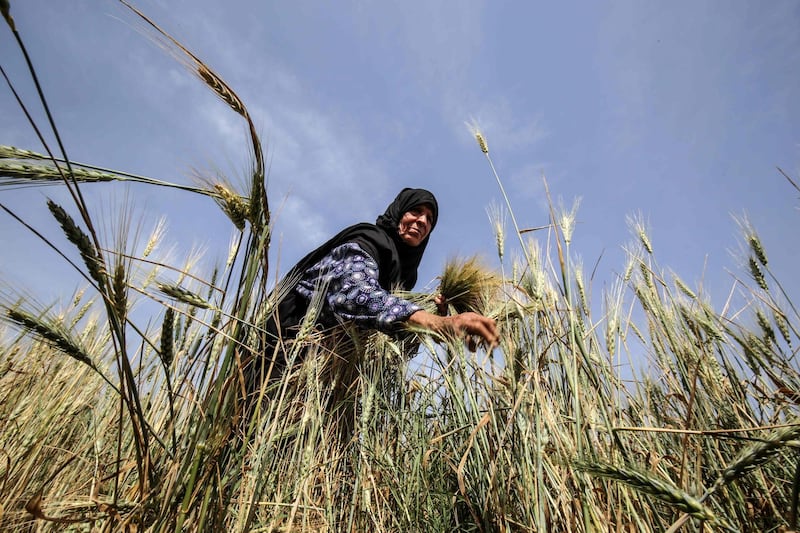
[
  {"x": 397, "y": 261},
  {"x": 408, "y": 257}
]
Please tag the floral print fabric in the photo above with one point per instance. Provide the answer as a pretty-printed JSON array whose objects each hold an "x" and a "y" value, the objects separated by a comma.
[{"x": 350, "y": 276}]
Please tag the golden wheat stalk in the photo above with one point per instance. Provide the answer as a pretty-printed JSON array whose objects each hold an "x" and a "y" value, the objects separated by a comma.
[
  {"x": 467, "y": 284},
  {"x": 216, "y": 83}
]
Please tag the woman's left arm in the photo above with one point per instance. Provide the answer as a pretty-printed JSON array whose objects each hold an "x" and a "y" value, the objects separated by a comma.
[{"x": 355, "y": 294}]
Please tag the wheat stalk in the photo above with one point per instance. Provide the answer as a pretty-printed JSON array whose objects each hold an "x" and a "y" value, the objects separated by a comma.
[
  {"x": 16, "y": 173},
  {"x": 19, "y": 173},
  {"x": 167, "y": 351},
  {"x": 119, "y": 291}
]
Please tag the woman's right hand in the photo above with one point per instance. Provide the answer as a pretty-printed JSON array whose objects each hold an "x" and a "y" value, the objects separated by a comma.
[
  {"x": 473, "y": 324},
  {"x": 467, "y": 325}
]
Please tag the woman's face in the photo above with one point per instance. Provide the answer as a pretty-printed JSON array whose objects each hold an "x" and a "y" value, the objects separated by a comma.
[{"x": 415, "y": 224}]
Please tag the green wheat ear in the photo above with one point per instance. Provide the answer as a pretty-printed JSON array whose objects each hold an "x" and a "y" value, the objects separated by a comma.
[
  {"x": 758, "y": 248},
  {"x": 54, "y": 334},
  {"x": 183, "y": 295},
  {"x": 236, "y": 207},
  {"x": 167, "y": 352},
  {"x": 757, "y": 454},
  {"x": 757, "y": 274},
  {"x": 652, "y": 485},
  {"x": 76, "y": 236},
  {"x": 14, "y": 173}
]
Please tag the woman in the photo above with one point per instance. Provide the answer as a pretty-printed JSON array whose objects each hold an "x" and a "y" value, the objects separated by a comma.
[{"x": 356, "y": 271}]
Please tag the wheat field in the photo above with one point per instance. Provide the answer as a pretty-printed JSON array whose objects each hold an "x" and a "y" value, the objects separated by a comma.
[{"x": 123, "y": 408}]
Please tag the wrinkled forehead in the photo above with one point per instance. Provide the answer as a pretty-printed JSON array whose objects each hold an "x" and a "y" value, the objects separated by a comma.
[{"x": 426, "y": 207}]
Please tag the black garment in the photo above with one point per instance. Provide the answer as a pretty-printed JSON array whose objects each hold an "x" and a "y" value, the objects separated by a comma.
[{"x": 397, "y": 264}]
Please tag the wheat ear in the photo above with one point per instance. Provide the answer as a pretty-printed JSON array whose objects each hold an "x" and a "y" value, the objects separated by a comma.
[
  {"x": 756, "y": 455},
  {"x": 183, "y": 295},
  {"x": 649, "y": 484},
  {"x": 76, "y": 236}
]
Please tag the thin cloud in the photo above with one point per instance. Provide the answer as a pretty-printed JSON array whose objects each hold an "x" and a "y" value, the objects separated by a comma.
[
  {"x": 317, "y": 158},
  {"x": 676, "y": 73},
  {"x": 322, "y": 160}
]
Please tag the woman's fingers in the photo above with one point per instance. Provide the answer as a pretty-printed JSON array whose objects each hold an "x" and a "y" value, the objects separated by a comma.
[
  {"x": 475, "y": 324},
  {"x": 464, "y": 325},
  {"x": 441, "y": 304}
]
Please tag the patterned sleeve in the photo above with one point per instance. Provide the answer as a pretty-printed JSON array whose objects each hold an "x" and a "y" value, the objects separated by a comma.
[{"x": 353, "y": 291}]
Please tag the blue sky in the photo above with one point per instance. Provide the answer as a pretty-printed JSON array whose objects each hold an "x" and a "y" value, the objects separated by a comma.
[{"x": 680, "y": 111}]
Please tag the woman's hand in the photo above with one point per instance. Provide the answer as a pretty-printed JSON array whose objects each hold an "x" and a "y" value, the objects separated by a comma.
[
  {"x": 469, "y": 323},
  {"x": 441, "y": 304},
  {"x": 462, "y": 325}
]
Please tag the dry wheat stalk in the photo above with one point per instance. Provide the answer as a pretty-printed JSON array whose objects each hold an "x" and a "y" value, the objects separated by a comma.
[{"x": 466, "y": 284}]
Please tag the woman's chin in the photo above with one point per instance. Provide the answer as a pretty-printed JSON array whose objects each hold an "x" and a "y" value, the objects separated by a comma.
[{"x": 411, "y": 241}]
